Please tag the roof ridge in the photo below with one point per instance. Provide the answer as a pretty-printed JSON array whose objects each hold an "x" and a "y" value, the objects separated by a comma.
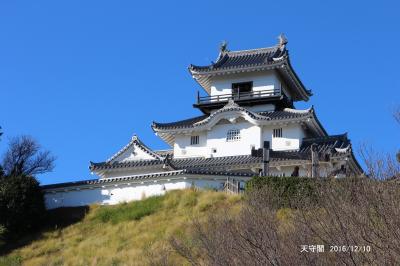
[
  {"x": 254, "y": 50},
  {"x": 224, "y": 56}
]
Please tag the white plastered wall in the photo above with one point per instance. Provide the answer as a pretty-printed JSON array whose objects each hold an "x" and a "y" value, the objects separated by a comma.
[
  {"x": 182, "y": 147},
  {"x": 213, "y": 143},
  {"x": 133, "y": 153},
  {"x": 292, "y": 136},
  {"x": 261, "y": 108},
  {"x": 119, "y": 193},
  {"x": 264, "y": 80},
  {"x": 250, "y": 136}
]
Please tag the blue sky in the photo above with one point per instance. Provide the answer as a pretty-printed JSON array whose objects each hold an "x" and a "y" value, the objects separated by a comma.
[{"x": 83, "y": 76}]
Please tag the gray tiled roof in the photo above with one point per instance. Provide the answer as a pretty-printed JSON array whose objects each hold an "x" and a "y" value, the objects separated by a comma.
[
  {"x": 214, "y": 163},
  {"x": 181, "y": 163},
  {"x": 181, "y": 123},
  {"x": 200, "y": 162},
  {"x": 125, "y": 164},
  {"x": 324, "y": 145},
  {"x": 164, "y": 153},
  {"x": 272, "y": 115},
  {"x": 246, "y": 58},
  {"x": 110, "y": 180}
]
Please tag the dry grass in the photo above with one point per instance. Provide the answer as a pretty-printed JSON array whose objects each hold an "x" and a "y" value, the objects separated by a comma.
[
  {"x": 136, "y": 233},
  {"x": 347, "y": 213}
]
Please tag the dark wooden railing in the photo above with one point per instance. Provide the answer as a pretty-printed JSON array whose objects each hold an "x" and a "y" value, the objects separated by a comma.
[{"x": 238, "y": 96}]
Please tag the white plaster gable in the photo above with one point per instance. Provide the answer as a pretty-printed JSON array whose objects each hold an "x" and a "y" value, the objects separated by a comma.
[
  {"x": 230, "y": 112},
  {"x": 133, "y": 151}
]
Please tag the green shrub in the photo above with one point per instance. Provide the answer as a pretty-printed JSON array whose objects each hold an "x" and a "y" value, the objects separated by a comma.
[
  {"x": 2, "y": 235},
  {"x": 130, "y": 211},
  {"x": 285, "y": 192},
  {"x": 21, "y": 204}
]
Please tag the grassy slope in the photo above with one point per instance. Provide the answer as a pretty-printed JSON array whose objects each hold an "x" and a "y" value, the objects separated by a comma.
[{"x": 128, "y": 234}]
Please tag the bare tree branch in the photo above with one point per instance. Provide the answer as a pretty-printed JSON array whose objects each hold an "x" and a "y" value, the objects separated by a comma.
[
  {"x": 379, "y": 166},
  {"x": 24, "y": 156},
  {"x": 396, "y": 114}
]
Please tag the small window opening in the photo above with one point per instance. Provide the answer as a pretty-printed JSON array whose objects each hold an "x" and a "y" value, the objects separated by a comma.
[
  {"x": 233, "y": 135},
  {"x": 242, "y": 88},
  {"x": 194, "y": 140},
  {"x": 277, "y": 133}
]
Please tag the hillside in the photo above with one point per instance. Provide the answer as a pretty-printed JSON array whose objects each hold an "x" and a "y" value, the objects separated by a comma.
[{"x": 135, "y": 233}]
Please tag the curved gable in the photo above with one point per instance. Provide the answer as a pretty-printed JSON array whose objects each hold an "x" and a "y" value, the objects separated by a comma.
[{"x": 135, "y": 150}]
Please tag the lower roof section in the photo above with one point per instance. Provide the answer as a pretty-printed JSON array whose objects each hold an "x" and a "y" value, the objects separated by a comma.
[
  {"x": 336, "y": 145},
  {"x": 149, "y": 177}
]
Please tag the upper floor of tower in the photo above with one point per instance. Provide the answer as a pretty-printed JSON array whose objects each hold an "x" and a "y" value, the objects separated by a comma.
[{"x": 251, "y": 78}]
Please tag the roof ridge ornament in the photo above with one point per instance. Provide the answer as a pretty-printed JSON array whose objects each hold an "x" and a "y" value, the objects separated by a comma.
[
  {"x": 231, "y": 103},
  {"x": 282, "y": 41},
  {"x": 281, "y": 51},
  {"x": 299, "y": 111},
  {"x": 223, "y": 47},
  {"x": 344, "y": 150}
]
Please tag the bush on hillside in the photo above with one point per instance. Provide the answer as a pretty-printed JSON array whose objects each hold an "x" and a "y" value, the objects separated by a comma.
[
  {"x": 287, "y": 192},
  {"x": 2, "y": 235},
  {"x": 21, "y": 204}
]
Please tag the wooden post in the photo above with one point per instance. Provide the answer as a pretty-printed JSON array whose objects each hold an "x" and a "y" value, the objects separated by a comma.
[
  {"x": 314, "y": 161},
  {"x": 265, "y": 163}
]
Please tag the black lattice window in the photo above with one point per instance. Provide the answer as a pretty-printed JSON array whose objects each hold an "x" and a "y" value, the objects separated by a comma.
[{"x": 233, "y": 135}]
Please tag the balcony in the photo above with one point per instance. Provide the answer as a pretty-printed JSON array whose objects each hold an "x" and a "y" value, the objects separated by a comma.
[
  {"x": 240, "y": 96},
  {"x": 207, "y": 103}
]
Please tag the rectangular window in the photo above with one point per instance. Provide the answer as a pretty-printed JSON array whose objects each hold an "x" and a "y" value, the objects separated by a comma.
[
  {"x": 277, "y": 133},
  {"x": 233, "y": 135},
  {"x": 242, "y": 88},
  {"x": 194, "y": 140}
]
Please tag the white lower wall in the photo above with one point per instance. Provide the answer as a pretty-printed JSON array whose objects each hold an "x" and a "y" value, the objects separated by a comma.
[
  {"x": 115, "y": 193},
  {"x": 119, "y": 193}
]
